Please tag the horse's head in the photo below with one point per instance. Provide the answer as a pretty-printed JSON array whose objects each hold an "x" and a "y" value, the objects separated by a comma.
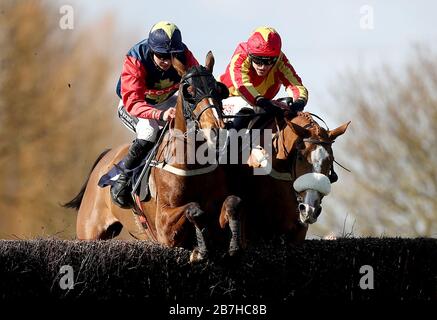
[
  {"x": 311, "y": 161},
  {"x": 200, "y": 96}
]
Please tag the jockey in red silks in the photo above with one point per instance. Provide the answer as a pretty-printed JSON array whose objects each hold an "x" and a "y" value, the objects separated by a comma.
[
  {"x": 147, "y": 88},
  {"x": 256, "y": 72}
]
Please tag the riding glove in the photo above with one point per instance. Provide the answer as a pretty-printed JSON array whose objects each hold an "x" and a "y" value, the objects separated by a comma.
[{"x": 268, "y": 106}]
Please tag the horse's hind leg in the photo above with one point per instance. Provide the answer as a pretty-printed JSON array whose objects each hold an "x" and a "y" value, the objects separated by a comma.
[
  {"x": 95, "y": 220},
  {"x": 231, "y": 214},
  {"x": 97, "y": 225},
  {"x": 111, "y": 231}
]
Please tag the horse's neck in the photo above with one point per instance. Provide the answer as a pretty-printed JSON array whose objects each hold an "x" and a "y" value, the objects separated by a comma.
[
  {"x": 179, "y": 147},
  {"x": 179, "y": 122},
  {"x": 305, "y": 119},
  {"x": 285, "y": 139}
]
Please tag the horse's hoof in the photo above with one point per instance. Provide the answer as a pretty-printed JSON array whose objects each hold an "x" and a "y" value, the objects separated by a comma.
[
  {"x": 193, "y": 213},
  {"x": 232, "y": 257},
  {"x": 197, "y": 256},
  {"x": 234, "y": 252}
]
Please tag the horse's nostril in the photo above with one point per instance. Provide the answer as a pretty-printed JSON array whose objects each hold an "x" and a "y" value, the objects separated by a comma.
[
  {"x": 302, "y": 207},
  {"x": 318, "y": 212}
]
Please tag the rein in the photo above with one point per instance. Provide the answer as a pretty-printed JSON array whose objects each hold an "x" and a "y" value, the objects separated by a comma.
[
  {"x": 292, "y": 154},
  {"x": 316, "y": 116},
  {"x": 321, "y": 142},
  {"x": 249, "y": 115}
]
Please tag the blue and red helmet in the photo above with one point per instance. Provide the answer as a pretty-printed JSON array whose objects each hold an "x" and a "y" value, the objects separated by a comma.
[
  {"x": 165, "y": 37},
  {"x": 265, "y": 42}
]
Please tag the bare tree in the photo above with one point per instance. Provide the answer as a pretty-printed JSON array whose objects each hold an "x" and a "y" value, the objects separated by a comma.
[
  {"x": 391, "y": 149},
  {"x": 56, "y": 114}
]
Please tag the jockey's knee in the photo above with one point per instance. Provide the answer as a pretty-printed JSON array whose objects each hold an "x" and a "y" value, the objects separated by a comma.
[{"x": 147, "y": 130}]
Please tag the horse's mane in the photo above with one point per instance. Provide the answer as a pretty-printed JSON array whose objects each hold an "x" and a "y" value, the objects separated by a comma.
[{"x": 312, "y": 122}]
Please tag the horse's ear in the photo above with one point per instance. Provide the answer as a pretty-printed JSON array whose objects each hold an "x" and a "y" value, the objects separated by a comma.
[
  {"x": 333, "y": 134},
  {"x": 179, "y": 66},
  {"x": 300, "y": 131},
  {"x": 209, "y": 61}
]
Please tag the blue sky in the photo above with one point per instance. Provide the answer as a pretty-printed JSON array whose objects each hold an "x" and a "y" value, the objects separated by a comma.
[{"x": 322, "y": 39}]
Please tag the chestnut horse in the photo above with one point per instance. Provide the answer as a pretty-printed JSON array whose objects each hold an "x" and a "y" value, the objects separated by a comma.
[
  {"x": 285, "y": 200},
  {"x": 186, "y": 199}
]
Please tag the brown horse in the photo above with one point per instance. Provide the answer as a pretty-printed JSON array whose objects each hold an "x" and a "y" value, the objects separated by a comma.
[
  {"x": 285, "y": 200},
  {"x": 186, "y": 198}
]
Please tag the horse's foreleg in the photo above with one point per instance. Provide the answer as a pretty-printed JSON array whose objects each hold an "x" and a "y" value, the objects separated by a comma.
[
  {"x": 172, "y": 226},
  {"x": 198, "y": 218},
  {"x": 231, "y": 214}
]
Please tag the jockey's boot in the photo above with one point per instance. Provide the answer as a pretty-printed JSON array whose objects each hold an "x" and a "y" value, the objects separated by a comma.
[{"x": 122, "y": 188}]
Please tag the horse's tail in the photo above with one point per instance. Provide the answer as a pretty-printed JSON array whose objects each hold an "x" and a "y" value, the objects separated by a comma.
[{"x": 77, "y": 200}]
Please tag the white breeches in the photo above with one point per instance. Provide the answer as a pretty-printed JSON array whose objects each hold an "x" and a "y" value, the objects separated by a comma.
[{"x": 147, "y": 129}]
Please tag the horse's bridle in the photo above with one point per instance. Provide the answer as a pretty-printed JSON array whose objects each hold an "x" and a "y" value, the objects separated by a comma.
[
  {"x": 202, "y": 75},
  {"x": 294, "y": 154},
  {"x": 332, "y": 176}
]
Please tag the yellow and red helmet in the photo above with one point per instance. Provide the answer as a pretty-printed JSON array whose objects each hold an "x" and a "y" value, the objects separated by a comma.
[{"x": 264, "y": 42}]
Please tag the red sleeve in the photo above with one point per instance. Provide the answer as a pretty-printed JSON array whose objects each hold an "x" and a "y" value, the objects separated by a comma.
[
  {"x": 133, "y": 87},
  {"x": 291, "y": 80}
]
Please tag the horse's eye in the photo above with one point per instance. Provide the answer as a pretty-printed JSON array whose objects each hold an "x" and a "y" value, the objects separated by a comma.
[{"x": 300, "y": 157}]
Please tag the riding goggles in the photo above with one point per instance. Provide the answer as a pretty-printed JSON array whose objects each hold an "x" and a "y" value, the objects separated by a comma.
[
  {"x": 263, "y": 60},
  {"x": 162, "y": 56}
]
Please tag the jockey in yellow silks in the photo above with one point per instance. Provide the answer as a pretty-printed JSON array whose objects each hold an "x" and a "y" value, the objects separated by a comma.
[{"x": 256, "y": 72}]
